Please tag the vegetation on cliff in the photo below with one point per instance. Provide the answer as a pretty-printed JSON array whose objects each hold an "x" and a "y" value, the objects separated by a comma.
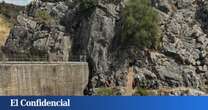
[
  {"x": 8, "y": 14},
  {"x": 43, "y": 16},
  {"x": 10, "y": 11},
  {"x": 87, "y": 4},
  {"x": 140, "y": 25},
  {"x": 4, "y": 29}
]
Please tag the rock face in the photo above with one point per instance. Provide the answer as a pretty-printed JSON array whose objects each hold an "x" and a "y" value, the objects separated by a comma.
[
  {"x": 91, "y": 35},
  {"x": 182, "y": 59},
  {"x": 177, "y": 92},
  {"x": 31, "y": 39}
]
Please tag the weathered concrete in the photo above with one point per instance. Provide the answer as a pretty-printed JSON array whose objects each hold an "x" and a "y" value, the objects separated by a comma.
[{"x": 43, "y": 78}]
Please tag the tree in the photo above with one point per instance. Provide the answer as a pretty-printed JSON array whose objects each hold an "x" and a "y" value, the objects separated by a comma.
[
  {"x": 87, "y": 4},
  {"x": 140, "y": 25},
  {"x": 3, "y": 2}
]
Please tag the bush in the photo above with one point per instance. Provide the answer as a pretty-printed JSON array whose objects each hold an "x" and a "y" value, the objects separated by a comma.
[
  {"x": 104, "y": 91},
  {"x": 142, "y": 92},
  {"x": 87, "y": 5},
  {"x": 43, "y": 16},
  {"x": 202, "y": 15},
  {"x": 140, "y": 26}
]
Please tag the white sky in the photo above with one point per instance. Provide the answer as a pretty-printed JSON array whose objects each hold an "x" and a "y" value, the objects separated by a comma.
[{"x": 17, "y": 2}]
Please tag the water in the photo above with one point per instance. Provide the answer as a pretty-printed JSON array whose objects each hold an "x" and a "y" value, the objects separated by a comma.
[{"x": 17, "y": 2}]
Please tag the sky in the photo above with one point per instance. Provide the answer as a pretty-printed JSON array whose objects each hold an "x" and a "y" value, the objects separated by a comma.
[{"x": 17, "y": 2}]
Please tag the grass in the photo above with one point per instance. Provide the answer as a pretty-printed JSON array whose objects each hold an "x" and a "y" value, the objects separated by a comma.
[
  {"x": 5, "y": 27},
  {"x": 142, "y": 92},
  {"x": 104, "y": 91},
  {"x": 8, "y": 14}
]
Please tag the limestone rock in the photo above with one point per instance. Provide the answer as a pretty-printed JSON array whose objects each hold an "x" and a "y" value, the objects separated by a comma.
[
  {"x": 92, "y": 35},
  {"x": 32, "y": 40}
]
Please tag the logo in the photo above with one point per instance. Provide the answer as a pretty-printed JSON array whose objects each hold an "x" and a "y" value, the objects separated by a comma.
[
  {"x": 40, "y": 103},
  {"x": 14, "y": 103}
]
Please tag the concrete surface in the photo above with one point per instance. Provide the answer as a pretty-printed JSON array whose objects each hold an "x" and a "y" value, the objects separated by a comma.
[{"x": 43, "y": 78}]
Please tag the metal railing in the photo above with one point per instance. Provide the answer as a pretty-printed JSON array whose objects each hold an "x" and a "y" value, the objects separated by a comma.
[{"x": 78, "y": 58}]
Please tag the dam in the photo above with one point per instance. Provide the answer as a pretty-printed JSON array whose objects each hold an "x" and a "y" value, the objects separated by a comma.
[{"x": 43, "y": 78}]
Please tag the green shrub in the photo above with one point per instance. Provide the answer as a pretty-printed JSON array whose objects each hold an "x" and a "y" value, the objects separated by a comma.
[
  {"x": 202, "y": 15},
  {"x": 104, "y": 91},
  {"x": 43, "y": 16},
  {"x": 140, "y": 25},
  {"x": 87, "y": 5},
  {"x": 142, "y": 92}
]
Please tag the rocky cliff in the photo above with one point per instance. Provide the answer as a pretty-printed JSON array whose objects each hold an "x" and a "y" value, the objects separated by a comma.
[{"x": 64, "y": 30}]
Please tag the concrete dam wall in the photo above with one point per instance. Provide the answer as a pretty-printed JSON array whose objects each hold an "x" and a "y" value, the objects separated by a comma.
[{"x": 43, "y": 78}]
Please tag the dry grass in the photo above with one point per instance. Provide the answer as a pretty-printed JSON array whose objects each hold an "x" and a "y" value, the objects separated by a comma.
[
  {"x": 4, "y": 30},
  {"x": 168, "y": 90},
  {"x": 130, "y": 78}
]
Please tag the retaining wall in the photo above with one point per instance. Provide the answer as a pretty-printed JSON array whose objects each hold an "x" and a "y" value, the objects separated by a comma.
[{"x": 43, "y": 78}]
